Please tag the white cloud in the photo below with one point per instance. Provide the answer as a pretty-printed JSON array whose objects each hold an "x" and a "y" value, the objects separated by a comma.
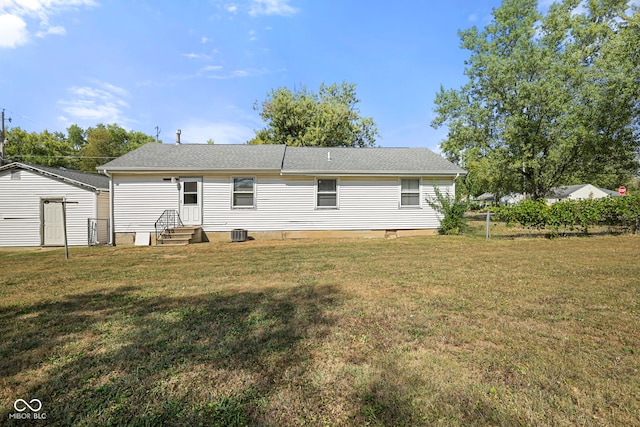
[
  {"x": 232, "y": 8},
  {"x": 13, "y": 31},
  {"x": 271, "y": 7},
  {"x": 102, "y": 103},
  {"x": 199, "y": 56},
  {"x": 18, "y": 16},
  {"x": 211, "y": 68},
  {"x": 249, "y": 72},
  {"x": 241, "y": 73},
  {"x": 56, "y": 31},
  {"x": 473, "y": 17}
]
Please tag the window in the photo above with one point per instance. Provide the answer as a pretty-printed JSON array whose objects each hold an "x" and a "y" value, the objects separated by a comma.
[
  {"x": 190, "y": 193},
  {"x": 327, "y": 193},
  {"x": 410, "y": 192},
  {"x": 243, "y": 192}
]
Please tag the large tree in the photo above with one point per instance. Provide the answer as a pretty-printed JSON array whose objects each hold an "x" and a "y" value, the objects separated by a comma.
[
  {"x": 104, "y": 143},
  {"x": 329, "y": 118},
  {"x": 551, "y": 99},
  {"x": 44, "y": 148}
]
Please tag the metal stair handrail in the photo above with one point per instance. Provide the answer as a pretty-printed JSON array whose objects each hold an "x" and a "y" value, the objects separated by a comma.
[{"x": 170, "y": 218}]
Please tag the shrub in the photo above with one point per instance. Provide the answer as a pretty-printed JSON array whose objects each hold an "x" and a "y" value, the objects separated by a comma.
[
  {"x": 611, "y": 211},
  {"x": 452, "y": 209},
  {"x": 528, "y": 213},
  {"x": 562, "y": 216}
]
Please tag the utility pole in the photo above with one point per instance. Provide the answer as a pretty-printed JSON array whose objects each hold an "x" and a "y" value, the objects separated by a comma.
[{"x": 3, "y": 141}]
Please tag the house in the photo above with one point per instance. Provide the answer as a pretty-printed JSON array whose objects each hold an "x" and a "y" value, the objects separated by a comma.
[
  {"x": 31, "y": 212},
  {"x": 509, "y": 199},
  {"x": 277, "y": 191},
  {"x": 577, "y": 192}
]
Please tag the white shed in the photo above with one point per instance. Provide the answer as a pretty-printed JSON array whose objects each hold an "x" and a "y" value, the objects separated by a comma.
[{"x": 31, "y": 208}]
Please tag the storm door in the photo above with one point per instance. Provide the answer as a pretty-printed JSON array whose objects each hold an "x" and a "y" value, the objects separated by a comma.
[{"x": 191, "y": 201}]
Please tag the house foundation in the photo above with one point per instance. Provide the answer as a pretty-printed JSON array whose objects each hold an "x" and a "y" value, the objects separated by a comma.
[{"x": 123, "y": 239}]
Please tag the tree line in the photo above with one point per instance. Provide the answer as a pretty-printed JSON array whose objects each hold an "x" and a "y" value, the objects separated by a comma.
[{"x": 79, "y": 149}]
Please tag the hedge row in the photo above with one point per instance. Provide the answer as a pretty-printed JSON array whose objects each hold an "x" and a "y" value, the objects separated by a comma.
[{"x": 622, "y": 213}]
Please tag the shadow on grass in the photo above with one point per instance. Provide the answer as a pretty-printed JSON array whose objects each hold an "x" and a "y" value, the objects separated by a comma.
[{"x": 116, "y": 357}]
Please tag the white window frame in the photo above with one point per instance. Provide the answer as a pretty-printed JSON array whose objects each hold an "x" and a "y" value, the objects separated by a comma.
[
  {"x": 418, "y": 192},
  {"x": 234, "y": 192},
  {"x": 337, "y": 192}
]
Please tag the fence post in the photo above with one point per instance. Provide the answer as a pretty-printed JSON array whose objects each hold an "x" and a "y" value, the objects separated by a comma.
[{"x": 488, "y": 221}]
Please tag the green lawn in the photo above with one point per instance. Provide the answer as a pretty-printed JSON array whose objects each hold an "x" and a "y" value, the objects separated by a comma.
[{"x": 442, "y": 330}]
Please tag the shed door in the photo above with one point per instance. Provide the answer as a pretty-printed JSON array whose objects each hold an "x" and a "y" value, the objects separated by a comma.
[
  {"x": 191, "y": 201},
  {"x": 52, "y": 225}
]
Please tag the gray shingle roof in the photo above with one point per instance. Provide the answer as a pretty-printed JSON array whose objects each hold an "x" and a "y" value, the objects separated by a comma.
[
  {"x": 375, "y": 161},
  {"x": 92, "y": 181},
  {"x": 165, "y": 157},
  {"x": 564, "y": 191},
  {"x": 287, "y": 160}
]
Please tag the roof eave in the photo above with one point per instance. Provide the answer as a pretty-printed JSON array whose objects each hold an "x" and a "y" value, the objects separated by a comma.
[
  {"x": 186, "y": 170},
  {"x": 43, "y": 172},
  {"x": 373, "y": 173}
]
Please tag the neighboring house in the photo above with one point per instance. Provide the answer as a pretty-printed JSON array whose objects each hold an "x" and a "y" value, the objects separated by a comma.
[
  {"x": 489, "y": 198},
  {"x": 277, "y": 191},
  {"x": 31, "y": 212},
  {"x": 577, "y": 192},
  {"x": 484, "y": 199}
]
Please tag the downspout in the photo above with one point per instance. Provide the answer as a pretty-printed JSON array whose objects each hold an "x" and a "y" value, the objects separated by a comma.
[
  {"x": 112, "y": 238},
  {"x": 454, "y": 184}
]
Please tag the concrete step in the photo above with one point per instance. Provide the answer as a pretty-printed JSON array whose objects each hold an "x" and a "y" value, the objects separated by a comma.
[{"x": 182, "y": 235}]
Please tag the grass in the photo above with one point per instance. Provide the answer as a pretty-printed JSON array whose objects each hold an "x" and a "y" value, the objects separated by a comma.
[{"x": 442, "y": 330}]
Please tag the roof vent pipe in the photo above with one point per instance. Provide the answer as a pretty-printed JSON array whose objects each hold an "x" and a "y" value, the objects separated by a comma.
[
  {"x": 328, "y": 156},
  {"x": 178, "y": 132}
]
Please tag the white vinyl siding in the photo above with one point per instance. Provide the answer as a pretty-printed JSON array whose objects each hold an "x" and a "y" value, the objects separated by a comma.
[
  {"x": 280, "y": 203},
  {"x": 21, "y": 208},
  {"x": 289, "y": 203},
  {"x": 140, "y": 200}
]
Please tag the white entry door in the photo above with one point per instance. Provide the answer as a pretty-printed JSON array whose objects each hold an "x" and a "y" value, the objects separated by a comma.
[
  {"x": 52, "y": 225},
  {"x": 191, "y": 201}
]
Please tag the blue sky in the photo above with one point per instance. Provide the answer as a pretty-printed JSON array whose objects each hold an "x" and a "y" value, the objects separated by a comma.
[{"x": 200, "y": 66}]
